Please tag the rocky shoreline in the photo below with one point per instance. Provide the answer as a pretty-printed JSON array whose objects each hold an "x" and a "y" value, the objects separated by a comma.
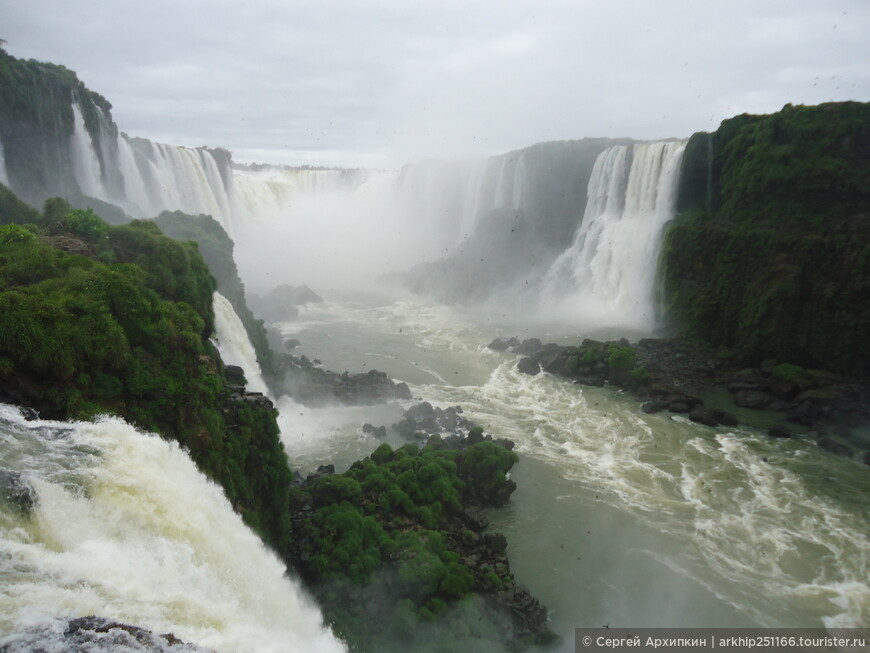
[{"x": 676, "y": 375}]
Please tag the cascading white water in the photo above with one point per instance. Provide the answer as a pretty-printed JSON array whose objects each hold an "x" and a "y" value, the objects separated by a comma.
[
  {"x": 125, "y": 527},
  {"x": 269, "y": 192},
  {"x": 162, "y": 177},
  {"x": 4, "y": 178},
  {"x": 234, "y": 345},
  {"x": 86, "y": 165},
  {"x": 606, "y": 277},
  {"x": 138, "y": 200}
]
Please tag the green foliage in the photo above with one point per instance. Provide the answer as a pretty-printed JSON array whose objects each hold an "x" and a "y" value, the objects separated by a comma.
[
  {"x": 640, "y": 374},
  {"x": 385, "y": 520},
  {"x": 12, "y": 234},
  {"x": 485, "y": 464},
  {"x": 335, "y": 489},
  {"x": 87, "y": 224},
  {"x": 216, "y": 248},
  {"x": 13, "y": 210},
  {"x": 621, "y": 357},
  {"x": 791, "y": 374},
  {"x": 769, "y": 257},
  {"x": 124, "y": 331}
]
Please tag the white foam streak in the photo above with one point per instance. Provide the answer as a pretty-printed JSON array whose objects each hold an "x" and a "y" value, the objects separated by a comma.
[
  {"x": 751, "y": 527},
  {"x": 234, "y": 344},
  {"x": 4, "y": 177},
  {"x": 85, "y": 164},
  {"x": 138, "y": 535}
]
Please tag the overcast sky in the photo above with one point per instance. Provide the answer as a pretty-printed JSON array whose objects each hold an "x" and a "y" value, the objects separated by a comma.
[{"x": 380, "y": 83}]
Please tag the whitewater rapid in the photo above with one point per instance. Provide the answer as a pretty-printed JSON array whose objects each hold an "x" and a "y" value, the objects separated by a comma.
[
  {"x": 659, "y": 520},
  {"x": 126, "y": 527}
]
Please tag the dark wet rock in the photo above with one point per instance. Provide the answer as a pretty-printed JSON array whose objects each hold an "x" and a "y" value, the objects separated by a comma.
[
  {"x": 280, "y": 303},
  {"x": 528, "y": 366},
  {"x": 290, "y": 344},
  {"x": 495, "y": 542},
  {"x": 835, "y": 447},
  {"x": 710, "y": 416},
  {"x": 15, "y": 491},
  {"x": 751, "y": 399},
  {"x": 779, "y": 431},
  {"x": 377, "y": 431},
  {"x": 783, "y": 389},
  {"x": 353, "y": 389},
  {"x": 423, "y": 420},
  {"x": 866, "y": 460},
  {"x": 258, "y": 399},
  {"x": 528, "y": 347},
  {"x": 523, "y": 604},
  {"x": 29, "y": 414},
  {"x": 320, "y": 472},
  {"x": 654, "y": 406},
  {"x": 235, "y": 375},
  {"x": 503, "y": 344},
  {"x": 805, "y": 413},
  {"x": 95, "y": 635}
]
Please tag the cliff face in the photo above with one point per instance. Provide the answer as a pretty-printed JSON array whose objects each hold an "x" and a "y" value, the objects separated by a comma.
[
  {"x": 37, "y": 124},
  {"x": 769, "y": 256},
  {"x": 518, "y": 212}
]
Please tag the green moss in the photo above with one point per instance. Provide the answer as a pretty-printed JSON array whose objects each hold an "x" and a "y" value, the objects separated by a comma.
[
  {"x": 791, "y": 374},
  {"x": 385, "y": 521},
  {"x": 124, "y": 331},
  {"x": 621, "y": 357},
  {"x": 767, "y": 258}
]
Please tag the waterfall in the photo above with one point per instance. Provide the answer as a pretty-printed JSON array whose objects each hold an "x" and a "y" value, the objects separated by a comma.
[
  {"x": 234, "y": 345},
  {"x": 120, "y": 524},
  {"x": 606, "y": 277},
  {"x": 85, "y": 163},
  {"x": 4, "y": 178},
  {"x": 267, "y": 192}
]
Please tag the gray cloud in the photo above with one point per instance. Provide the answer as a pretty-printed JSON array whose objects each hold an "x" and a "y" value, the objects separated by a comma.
[{"x": 379, "y": 83}]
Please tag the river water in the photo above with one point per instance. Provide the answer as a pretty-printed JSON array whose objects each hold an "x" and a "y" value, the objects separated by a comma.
[{"x": 620, "y": 518}]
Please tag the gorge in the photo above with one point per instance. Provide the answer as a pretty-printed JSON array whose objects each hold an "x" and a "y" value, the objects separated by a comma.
[{"x": 751, "y": 241}]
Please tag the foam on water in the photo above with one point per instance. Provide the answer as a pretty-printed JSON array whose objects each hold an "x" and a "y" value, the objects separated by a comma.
[
  {"x": 125, "y": 527},
  {"x": 749, "y": 525}
]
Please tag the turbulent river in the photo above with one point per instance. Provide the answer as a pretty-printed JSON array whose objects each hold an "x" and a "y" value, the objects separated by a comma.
[{"x": 620, "y": 518}]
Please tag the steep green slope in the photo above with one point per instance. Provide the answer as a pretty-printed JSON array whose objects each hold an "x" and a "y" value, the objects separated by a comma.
[
  {"x": 98, "y": 319},
  {"x": 769, "y": 256}
]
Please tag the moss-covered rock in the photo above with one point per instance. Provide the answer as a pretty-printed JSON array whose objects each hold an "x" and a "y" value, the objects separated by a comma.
[
  {"x": 769, "y": 255},
  {"x": 101, "y": 319},
  {"x": 395, "y": 544}
]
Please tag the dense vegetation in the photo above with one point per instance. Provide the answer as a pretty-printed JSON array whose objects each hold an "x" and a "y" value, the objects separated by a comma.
[
  {"x": 216, "y": 248},
  {"x": 769, "y": 256},
  {"x": 115, "y": 319},
  {"x": 389, "y": 547}
]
